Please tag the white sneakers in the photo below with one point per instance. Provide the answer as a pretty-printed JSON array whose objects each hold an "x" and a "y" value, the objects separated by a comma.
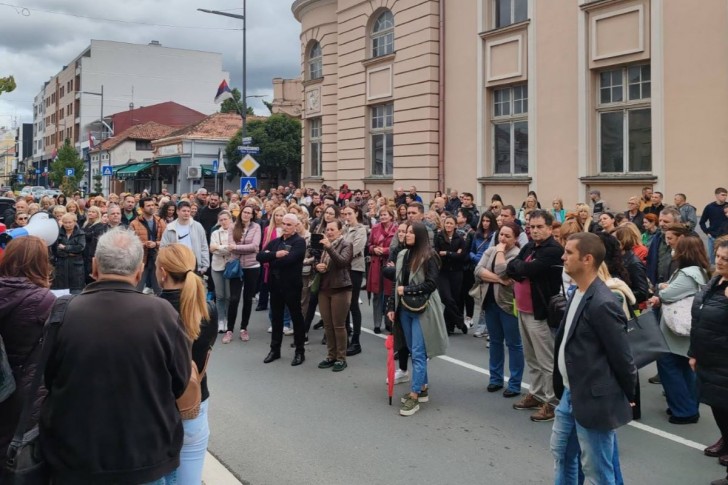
[
  {"x": 287, "y": 331},
  {"x": 469, "y": 322},
  {"x": 221, "y": 326},
  {"x": 400, "y": 376}
]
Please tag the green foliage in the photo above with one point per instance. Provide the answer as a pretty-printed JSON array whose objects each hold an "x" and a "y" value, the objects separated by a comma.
[
  {"x": 279, "y": 139},
  {"x": 67, "y": 158},
  {"x": 234, "y": 105},
  {"x": 97, "y": 183},
  {"x": 7, "y": 84}
]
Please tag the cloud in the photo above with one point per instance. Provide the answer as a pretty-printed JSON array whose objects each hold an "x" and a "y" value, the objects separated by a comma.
[{"x": 35, "y": 44}]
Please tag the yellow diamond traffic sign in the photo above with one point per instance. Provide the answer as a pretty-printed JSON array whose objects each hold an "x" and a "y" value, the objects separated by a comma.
[{"x": 248, "y": 165}]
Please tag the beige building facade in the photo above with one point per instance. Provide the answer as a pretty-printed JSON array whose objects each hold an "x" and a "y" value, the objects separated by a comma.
[{"x": 506, "y": 96}]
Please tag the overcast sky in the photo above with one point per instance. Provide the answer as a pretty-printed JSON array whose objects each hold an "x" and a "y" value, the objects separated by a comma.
[{"x": 35, "y": 43}]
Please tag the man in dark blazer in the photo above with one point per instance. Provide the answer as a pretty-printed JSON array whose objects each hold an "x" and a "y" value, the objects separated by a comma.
[
  {"x": 594, "y": 375},
  {"x": 285, "y": 257}
]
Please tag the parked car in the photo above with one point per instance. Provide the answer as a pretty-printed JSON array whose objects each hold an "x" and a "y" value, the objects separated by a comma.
[
  {"x": 52, "y": 192},
  {"x": 37, "y": 191}
]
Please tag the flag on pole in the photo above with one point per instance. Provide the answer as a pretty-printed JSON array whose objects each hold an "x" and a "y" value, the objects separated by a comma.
[
  {"x": 223, "y": 92},
  {"x": 91, "y": 141}
]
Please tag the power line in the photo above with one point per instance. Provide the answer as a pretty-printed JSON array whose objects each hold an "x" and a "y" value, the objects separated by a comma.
[{"x": 26, "y": 11}]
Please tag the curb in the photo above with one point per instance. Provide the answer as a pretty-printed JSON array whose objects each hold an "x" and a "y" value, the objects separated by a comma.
[{"x": 215, "y": 473}]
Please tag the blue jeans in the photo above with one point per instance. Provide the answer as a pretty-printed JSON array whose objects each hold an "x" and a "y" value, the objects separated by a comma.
[
  {"x": 416, "y": 344},
  {"x": 678, "y": 380},
  {"x": 711, "y": 249},
  {"x": 573, "y": 445},
  {"x": 194, "y": 447},
  {"x": 286, "y": 316},
  {"x": 222, "y": 294},
  {"x": 502, "y": 325},
  {"x": 168, "y": 479}
]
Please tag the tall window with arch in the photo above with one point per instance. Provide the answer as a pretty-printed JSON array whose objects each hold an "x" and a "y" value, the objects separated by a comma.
[
  {"x": 315, "y": 62},
  {"x": 383, "y": 34}
]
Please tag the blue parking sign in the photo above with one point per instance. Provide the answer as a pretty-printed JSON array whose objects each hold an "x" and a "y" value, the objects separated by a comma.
[{"x": 70, "y": 172}]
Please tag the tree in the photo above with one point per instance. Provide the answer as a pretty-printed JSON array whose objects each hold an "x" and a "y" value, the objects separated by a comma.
[
  {"x": 234, "y": 105},
  {"x": 67, "y": 158},
  {"x": 279, "y": 139},
  {"x": 97, "y": 183},
  {"x": 7, "y": 84}
]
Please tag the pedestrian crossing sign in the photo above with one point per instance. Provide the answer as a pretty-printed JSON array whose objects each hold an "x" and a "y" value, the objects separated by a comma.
[
  {"x": 107, "y": 171},
  {"x": 247, "y": 184}
]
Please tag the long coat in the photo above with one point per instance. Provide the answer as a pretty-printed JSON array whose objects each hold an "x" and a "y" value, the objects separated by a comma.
[
  {"x": 709, "y": 343},
  {"x": 432, "y": 321},
  {"x": 70, "y": 268},
  {"x": 380, "y": 237}
]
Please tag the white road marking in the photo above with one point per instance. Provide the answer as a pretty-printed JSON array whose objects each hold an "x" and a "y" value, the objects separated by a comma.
[{"x": 643, "y": 427}]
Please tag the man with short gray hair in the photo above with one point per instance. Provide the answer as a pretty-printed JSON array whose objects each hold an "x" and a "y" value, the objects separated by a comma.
[{"x": 119, "y": 362}]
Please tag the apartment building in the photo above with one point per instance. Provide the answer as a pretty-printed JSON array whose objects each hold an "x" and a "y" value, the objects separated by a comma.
[
  {"x": 130, "y": 76},
  {"x": 506, "y": 96}
]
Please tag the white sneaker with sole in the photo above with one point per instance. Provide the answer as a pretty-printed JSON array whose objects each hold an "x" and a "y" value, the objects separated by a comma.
[
  {"x": 287, "y": 331},
  {"x": 270, "y": 329}
]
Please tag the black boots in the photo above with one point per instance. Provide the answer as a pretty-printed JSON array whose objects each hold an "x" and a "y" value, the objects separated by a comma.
[{"x": 354, "y": 347}]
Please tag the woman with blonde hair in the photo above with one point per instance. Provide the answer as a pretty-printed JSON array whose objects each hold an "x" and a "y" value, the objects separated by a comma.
[
  {"x": 175, "y": 271},
  {"x": 72, "y": 207},
  {"x": 68, "y": 251},
  {"x": 58, "y": 212},
  {"x": 584, "y": 217}
]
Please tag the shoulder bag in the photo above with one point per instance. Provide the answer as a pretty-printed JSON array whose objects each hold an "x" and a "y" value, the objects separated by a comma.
[
  {"x": 645, "y": 338},
  {"x": 414, "y": 302},
  {"x": 7, "y": 380},
  {"x": 189, "y": 402},
  {"x": 678, "y": 316},
  {"x": 24, "y": 463},
  {"x": 233, "y": 268}
]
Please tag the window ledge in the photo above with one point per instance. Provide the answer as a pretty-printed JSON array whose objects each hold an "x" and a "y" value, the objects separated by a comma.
[
  {"x": 503, "y": 30},
  {"x": 372, "y": 61},
  {"x": 313, "y": 178},
  {"x": 620, "y": 178},
  {"x": 506, "y": 180},
  {"x": 378, "y": 178},
  {"x": 311, "y": 82}
]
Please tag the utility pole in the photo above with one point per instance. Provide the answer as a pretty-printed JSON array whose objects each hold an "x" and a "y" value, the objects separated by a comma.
[
  {"x": 101, "y": 132},
  {"x": 244, "y": 107}
]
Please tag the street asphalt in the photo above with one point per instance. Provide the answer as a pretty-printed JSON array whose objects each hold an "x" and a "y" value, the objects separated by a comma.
[{"x": 276, "y": 424}]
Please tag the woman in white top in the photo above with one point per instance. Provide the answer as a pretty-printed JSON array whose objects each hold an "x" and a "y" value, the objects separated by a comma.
[{"x": 220, "y": 257}]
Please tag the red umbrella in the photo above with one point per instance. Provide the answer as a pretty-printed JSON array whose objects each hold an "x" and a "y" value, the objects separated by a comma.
[{"x": 389, "y": 344}]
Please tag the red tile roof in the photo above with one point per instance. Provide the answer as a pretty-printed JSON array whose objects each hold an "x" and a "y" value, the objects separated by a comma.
[
  {"x": 168, "y": 113},
  {"x": 147, "y": 132},
  {"x": 215, "y": 126}
]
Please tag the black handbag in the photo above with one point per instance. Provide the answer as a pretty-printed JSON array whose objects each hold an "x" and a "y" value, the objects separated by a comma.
[
  {"x": 24, "y": 463},
  {"x": 555, "y": 306},
  {"x": 416, "y": 303},
  {"x": 645, "y": 339}
]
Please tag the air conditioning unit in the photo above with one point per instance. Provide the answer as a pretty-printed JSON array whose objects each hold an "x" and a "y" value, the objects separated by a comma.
[{"x": 194, "y": 172}]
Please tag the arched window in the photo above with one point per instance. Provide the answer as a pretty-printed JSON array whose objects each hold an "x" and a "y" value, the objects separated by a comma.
[
  {"x": 315, "y": 62},
  {"x": 383, "y": 35}
]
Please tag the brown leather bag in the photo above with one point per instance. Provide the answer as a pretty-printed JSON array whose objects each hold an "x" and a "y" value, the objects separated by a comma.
[{"x": 189, "y": 402}]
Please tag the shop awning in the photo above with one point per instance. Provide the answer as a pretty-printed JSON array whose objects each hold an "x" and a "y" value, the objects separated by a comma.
[
  {"x": 207, "y": 170},
  {"x": 169, "y": 161},
  {"x": 133, "y": 169}
]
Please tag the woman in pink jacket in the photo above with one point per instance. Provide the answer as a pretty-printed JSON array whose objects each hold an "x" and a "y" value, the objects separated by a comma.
[{"x": 243, "y": 243}]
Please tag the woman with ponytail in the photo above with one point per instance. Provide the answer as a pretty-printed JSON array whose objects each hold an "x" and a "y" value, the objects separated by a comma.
[{"x": 182, "y": 288}]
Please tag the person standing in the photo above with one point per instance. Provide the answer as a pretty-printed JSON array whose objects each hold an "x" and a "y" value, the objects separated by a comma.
[
  {"x": 220, "y": 257},
  {"x": 599, "y": 206},
  {"x": 380, "y": 240},
  {"x": 496, "y": 300},
  {"x": 149, "y": 228},
  {"x": 189, "y": 232},
  {"x": 93, "y": 229},
  {"x": 243, "y": 243},
  {"x": 335, "y": 293},
  {"x": 688, "y": 213},
  {"x": 90, "y": 363},
  {"x": 185, "y": 291},
  {"x": 129, "y": 213},
  {"x": 634, "y": 214},
  {"x": 25, "y": 303},
  {"x": 285, "y": 256},
  {"x": 708, "y": 338},
  {"x": 424, "y": 333},
  {"x": 355, "y": 234},
  {"x": 68, "y": 251},
  {"x": 657, "y": 204},
  {"x": 537, "y": 273},
  {"x": 594, "y": 374},
  {"x": 453, "y": 252},
  {"x": 713, "y": 219}
]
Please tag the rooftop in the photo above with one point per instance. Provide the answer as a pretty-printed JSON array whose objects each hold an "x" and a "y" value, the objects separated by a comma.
[
  {"x": 147, "y": 132},
  {"x": 215, "y": 126},
  {"x": 168, "y": 113}
]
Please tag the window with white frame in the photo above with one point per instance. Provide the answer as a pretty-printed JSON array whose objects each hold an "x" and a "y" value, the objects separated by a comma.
[
  {"x": 624, "y": 120},
  {"x": 314, "y": 146},
  {"x": 509, "y": 12},
  {"x": 315, "y": 62},
  {"x": 382, "y": 139},
  {"x": 383, "y": 35},
  {"x": 510, "y": 130}
]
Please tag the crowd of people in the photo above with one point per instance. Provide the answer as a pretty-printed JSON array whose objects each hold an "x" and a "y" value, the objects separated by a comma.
[{"x": 430, "y": 271}]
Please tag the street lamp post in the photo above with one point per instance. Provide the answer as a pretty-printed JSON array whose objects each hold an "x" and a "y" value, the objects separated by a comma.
[
  {"x": 244, "y": 110},
  {"x": 101, "y": 133}
]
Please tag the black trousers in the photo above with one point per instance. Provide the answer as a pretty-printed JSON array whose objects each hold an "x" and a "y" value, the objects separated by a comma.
[
  {"x": 246, "y": 287},
  {"x": 721, "y": 419},
  {"x": 466, "y": 300},
  {"x": 354, "y": 310},
  {"x": 448, "y": 285},
  {"x": 286, "y": 294}
]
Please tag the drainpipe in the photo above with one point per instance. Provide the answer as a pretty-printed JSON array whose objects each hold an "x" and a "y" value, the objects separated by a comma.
[{"x": 441, "y": 106}]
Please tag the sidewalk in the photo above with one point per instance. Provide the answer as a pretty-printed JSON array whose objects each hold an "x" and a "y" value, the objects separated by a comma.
[{"x": 215, "y": 473}]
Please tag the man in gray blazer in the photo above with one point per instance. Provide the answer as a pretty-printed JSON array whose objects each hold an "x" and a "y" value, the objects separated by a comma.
[{"x": 594, "y": 374}]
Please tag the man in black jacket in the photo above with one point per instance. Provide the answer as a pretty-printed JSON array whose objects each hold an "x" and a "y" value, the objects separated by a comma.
[
  {"x": 537, "y": 273},
  {"x": 594, "y": 376},
  {"x": 285, "y": 256},
  {"x": 119, "y": 362}
]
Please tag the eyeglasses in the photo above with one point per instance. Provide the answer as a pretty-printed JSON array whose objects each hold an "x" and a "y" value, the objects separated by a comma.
[{"x": 21, "y": 218}]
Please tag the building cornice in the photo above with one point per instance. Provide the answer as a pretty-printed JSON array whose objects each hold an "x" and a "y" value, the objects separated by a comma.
[{"x": 299, "y": 6}]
